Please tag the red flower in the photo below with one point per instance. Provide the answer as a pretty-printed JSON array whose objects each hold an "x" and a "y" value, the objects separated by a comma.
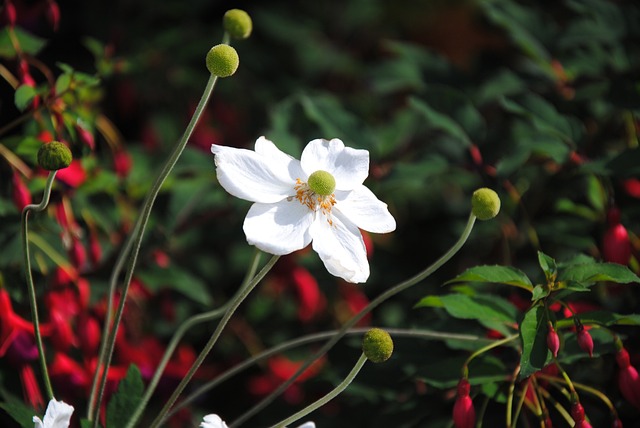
[
  {"x": 628, "y": 379},
  {"x": 77, "y": 253},
  {"x": 632, "y": 187},
  {"x": 311, "y": 300},
  {"x": 86, "y": 137},
  {"x": 21, "y": 195},
  {"x": 53, "y": 14},
  {"x": 73, "y": 175},
  {"x": 616, "y": 247},
  {"x": 553, "y": 341},
  {"x": 585, "y": 341},
  {"x": 10, "y": 13},
  {"x": 95, "y": 250},
  {"x": 89, "y": 332},
  {"x": 354, "y": 301},
  {"x": 122, "y": 163},
  {"x": 464, "y": 415}
]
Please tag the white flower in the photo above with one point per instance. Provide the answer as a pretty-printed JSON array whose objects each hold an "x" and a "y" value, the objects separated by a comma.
[
  {"x": 214, "y": 421},
  {"x": 58, "y": 415},
  {"x": 319, "y": 199}
]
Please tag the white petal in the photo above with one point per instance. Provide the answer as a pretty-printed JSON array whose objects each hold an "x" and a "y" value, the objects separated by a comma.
[
  {"x": 279, "y": 228},
  {"x": 58, "y": 415},
  {"x": 308, "y": 425},
  {"x": 269, "y": 150},
  {"x": 341, "y": 248},
  {"x": 251, "y": 176},
  {"x": 365, "y": 210},
  {"x": 348, "y": 166},
  {"x": 213, "y": 421}
]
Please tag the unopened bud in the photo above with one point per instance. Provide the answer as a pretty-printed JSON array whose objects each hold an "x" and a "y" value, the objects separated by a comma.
[
  {"x": 237, "y": 23},
  {"x": 222, "y": 60},
  {"x": 54, "y": 156},
  {"x": 553, "y": 341},
  {"x": 485, "y": 203},
  {"x": 585, "y": 341},
  {"x": 377, "y": 345}
]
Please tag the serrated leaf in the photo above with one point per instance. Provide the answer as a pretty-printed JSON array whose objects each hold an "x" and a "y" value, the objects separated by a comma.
[
  {"x": 126, "y": 398},
  {"x": 587, "y": 274},
  {"x": 481, "y": 307},
  {"x": 23, "y": 96},
  {"x": 494, "y": 274},
  {"x": 533, "y": 334},
  {"x": 539, "y": 292}
]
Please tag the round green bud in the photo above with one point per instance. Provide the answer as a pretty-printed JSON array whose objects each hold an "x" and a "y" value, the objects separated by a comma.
[
  {"x": 222, "y": 60},
  {"x": 322, "y": 183},
  {"x": 54, "y": 156},
  {"x": 237, "y": 23},
  {"x": 485, "y": 203},
  {"x": 377, "y": 345}
]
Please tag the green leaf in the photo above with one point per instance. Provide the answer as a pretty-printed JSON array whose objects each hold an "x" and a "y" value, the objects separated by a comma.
[
  {"x": 533, "y": 333},
  {"x": 63, "y": 82},
  {"x": 539, "y": 292},
  {"x": 481, "y": 307},
  {"x": 604, "y": 318},
  {"x": 20, "y": 412},
  {"x": 588, "y": 274},
  {"x": 548, "y": 266},
  {"x": 494, "y": 274},
  {"x": 125, "y": 399},
  {"x": 86, "y": 423},
  {"x": 23, "y": 96},
  {"x": 176, "y": 279},
  {"x": 440, "y": 121},
  {"x": 29, "y": 44}
]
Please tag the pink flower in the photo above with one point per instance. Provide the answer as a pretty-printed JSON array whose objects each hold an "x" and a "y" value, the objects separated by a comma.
[
  {"x": 616, "y": 247},
  {"x": 53, "y": 14},
  {"x": 464, "y": 415},
  {"x": 628, "y": 379},
  {"x": 585, "y": 341},
  {"x": 10, "y": 13},
  {"x": 21, "y": 195}
]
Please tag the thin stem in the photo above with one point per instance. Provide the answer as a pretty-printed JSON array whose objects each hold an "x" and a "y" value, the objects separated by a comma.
[
  {"x": 30, "y": 285},
  {"x": 278, "y": 349},
  {"x": 583, "y": 387},
  {"x": 133, "y": 247},
  {"x": 330, "y": 396},
  {"x": 373, "y": 304},
  {"x": 186, "y": 326},
  {"x": 510, "y": 395},
  {"x": 235, "y": 303},
  {"x": 490, "y": 347}
]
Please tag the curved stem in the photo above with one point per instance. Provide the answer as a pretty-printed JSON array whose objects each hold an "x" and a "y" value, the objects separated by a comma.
[
  {"x": 235, "y": 303},
  {"x": 373, "y": 304},
  {"x": 330, "y": 396},
  {"x": 133, "y": 246},
  {"x": 490, "y": 346},
  {"x": 30, "y": 285},
  {"x": 182, "y": 329},
  {"x": 421, "y": 334}
]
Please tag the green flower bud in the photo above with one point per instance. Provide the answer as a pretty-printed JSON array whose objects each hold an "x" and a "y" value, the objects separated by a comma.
[
  {"x": 54, "y": 156},
  {"x": 237, "y": 23},
  {"x": 322, "y": 183},
  {"x": 222, "y": 60},
  {"x": 485, "y": 203},
  {"x": 377, "y": 345}
]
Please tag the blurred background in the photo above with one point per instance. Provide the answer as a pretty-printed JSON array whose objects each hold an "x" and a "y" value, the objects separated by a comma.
[{"x": 538, "y": 100}]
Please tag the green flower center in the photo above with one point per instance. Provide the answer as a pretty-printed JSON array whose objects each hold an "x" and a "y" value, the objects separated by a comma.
[{"x": 322, "y": 183}]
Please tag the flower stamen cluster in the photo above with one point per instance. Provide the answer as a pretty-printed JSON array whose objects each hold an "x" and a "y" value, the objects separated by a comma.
[{"x": 315, "y": 200}]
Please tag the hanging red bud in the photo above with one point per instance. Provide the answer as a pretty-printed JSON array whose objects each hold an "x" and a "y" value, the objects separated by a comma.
[
  {"x": 10, "y": 14},
  {"x": 85, "y": 137},
  {"x": 21, "y": 195},
  {"x": 616, "y": 246},
  {"x": 553, "y": 341},
  {"x": 585, "y": 341},
  {"x": 77, "y": 254},
  {"x": 617, "y": 423},
  {"x": 53, "y": 14},
  {"x": 628, "y": 379},
  {"x": 464, "y": 415},
  {"x": 577, "y": 412},
  {"x": 95, "y": 250}
]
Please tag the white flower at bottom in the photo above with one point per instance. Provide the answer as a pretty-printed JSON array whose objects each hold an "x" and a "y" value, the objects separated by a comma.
[
  {"x": 318, "y": 200},
  {"x": 214, "y": 421},
  {"x": 58, "y": 415}
]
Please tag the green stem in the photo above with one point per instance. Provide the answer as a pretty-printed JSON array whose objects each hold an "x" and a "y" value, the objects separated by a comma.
[
  {"x": 175, "y": 340},
  {"x": 278, "y": 349},
  {"x": 235, "y": 303},
  {"x": 136, "y": 242},
  {"x": 585, "y": 388},
  {"x": 373, "y": 304},
  {"x": 489, "y": 347},
  {"x": 330, "y": 396},
  {"x": 30, "y": 285}
]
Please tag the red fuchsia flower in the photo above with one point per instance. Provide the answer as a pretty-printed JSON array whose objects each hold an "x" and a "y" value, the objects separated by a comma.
[
  {"x": 553, "y": 340},
  {"x": 77, "y": 253},
  {"x": 616, "y": 246},
  {"x": 122, "y": 163},
  {"x": 354, "y": 300},
  {"x": 53, "y": 14},
  {"x": 617, "y": 423},
  {"x": 464, "y": 414},
  {"x": 89, "y": 332},
  {"x": 85, "y": 137},
  {"x": 10, "y": 14},
  {"x": 311, "y": 300},
  {"x": 585, "y": 341},
  {"x": 73, "y": 175},
  {"x": 21, "y": 194},
  {"x": 632, "y": 187},
  {"x": 21, "y": 354},
  {"x": 95, "y": 249},
  {"x": 628, "y": 379}
]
